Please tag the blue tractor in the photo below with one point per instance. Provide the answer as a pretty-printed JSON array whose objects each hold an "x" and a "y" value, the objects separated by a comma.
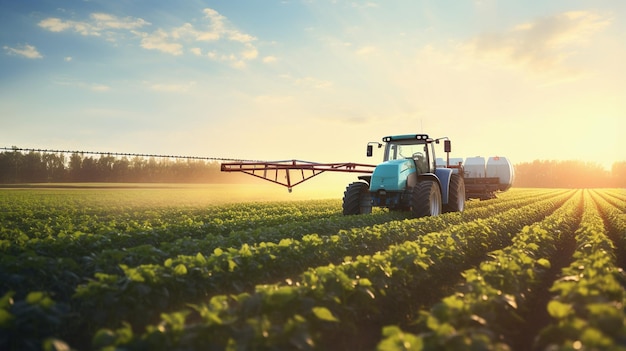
[{"x": 408, "y": 179}]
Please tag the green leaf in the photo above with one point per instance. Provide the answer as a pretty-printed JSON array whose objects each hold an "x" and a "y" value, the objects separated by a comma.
[
  {"x": 103, "y": 338},
  {"x": 559, "y": 309},
  {"x": 543, "y": 263},
  {"x": 231, "y": 265},
  {"x": 594, "y": 337},
  {"x": 180, "y": 269},
  {"x": 324, "y": 314},
  {"x": 34, "y": 297},
  {"x": 200, "y": 258},
  {"x": 39, "y": 298},
  {"x": 5, "y": 318},
  {"x": 396, "y": 340}
]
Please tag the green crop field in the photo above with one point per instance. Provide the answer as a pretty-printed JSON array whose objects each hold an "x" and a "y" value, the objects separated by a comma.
[{"x": 192, "y": 268}]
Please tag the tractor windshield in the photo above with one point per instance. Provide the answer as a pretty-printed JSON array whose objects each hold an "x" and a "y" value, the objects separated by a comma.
[
  {"x": 398, "y": 151},
  {"x": 409, "y": 150}
]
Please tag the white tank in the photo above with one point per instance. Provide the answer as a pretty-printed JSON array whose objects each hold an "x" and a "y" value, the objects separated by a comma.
[
  {"x": 500, "y": 167},
  {"x": 475, "y": 167}
]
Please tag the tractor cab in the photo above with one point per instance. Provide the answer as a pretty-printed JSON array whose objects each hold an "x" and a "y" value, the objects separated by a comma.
[{"x": 413, "y": 147}]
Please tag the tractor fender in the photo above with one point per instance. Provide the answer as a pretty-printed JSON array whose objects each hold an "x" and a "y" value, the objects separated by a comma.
[
  {"x": 366, "y": 178},
  {"x": 444, "y": 175}
]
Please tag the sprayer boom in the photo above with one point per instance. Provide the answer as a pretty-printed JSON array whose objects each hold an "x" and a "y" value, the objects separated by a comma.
[{"x": 290, "y": 173}]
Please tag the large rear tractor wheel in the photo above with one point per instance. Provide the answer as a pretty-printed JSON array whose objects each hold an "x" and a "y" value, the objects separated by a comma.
[
  {"x": 357, "y": 199},
  {"x": 456, "y": 195},
  {"x": 426, "y": 199}
]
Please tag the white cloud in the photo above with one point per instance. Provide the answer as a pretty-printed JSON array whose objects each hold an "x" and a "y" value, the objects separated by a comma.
[
  {"x": 216, "y": 35},
  {"x": 99, "y": 87},
  {"x": 25, "y": 50},
  {"x": 240, "y": 37},
  {"x": 217, "y": 20},
  {"x": 107, "y": 21},
  {"x": 269, "y": 59},
  {"x": 541, "y": 45},
  {"x": 161, "y": 41},
  {"x": 222, "y": 41},
  {"x": 249, "y": 53},
  {"x": 54, "y": 24},
  {"x": 98, "y": 23}
]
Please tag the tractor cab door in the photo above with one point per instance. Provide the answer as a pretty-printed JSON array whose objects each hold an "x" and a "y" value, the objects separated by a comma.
[{"x": 421, "y": 162}]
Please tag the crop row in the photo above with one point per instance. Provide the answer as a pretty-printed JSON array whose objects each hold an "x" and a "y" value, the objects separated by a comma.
[
  {"x": 61, "y": 272},
  {"x": 62, "y": 264},
  {"x": 614, "y": 215},
  {"x": 333, "y": 302},
  {"x": 493, "y": 311},
  {"x": 55, "y": 219},
  {"x": 491, "y": 307},
  {"x": 588, "y": 306},
  {"x": 185, "y": 278},
  {"x": 53, "y": 230},
  {"x": 340, "y": 279}
]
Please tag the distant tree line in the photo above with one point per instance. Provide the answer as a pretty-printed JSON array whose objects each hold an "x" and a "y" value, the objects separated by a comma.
[
  {"x": 36, "y": 167},
  {"x": 569, "y": 174},
  {"x": 41, "y": 167}
]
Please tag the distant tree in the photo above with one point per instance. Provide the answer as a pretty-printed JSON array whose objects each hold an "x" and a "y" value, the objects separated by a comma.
[
  {"x": 55, "y": 167},
  {"x": 75, "y": 167},
  {"x": 138, "y": 167},
  {"x": 121, "y": 170},
  {"x": 618, "y": 173},
  {"x": 104, "y": 166},
  {"x": 89, "y": 170},
  {"x": 562, "y": 174},
  {"x": 8, "y": 167},
  {"x": 33, "y": 168}
]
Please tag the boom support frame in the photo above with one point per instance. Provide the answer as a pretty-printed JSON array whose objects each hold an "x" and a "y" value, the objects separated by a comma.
[{"x": 293, "y": 172}]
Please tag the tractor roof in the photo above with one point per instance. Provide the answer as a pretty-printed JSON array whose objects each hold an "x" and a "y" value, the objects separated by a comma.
[{"x": 406, "y": 137}]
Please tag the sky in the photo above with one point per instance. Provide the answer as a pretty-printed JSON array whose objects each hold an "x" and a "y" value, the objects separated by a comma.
[{"x": 315, "y": 80}]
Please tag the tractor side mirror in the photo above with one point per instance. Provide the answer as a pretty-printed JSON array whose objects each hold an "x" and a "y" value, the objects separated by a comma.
[
  {"x": 370, "y": 148},
  {"x": 447, "y": 146}
]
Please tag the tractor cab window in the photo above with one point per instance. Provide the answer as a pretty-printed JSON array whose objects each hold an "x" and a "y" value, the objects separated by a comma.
[{"x": 416, "y": 152}]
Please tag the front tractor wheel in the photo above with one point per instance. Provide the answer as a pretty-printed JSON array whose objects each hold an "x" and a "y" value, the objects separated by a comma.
[
  {"x": 357, "y": 199},
  {"x": 426, "y": 199}
]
